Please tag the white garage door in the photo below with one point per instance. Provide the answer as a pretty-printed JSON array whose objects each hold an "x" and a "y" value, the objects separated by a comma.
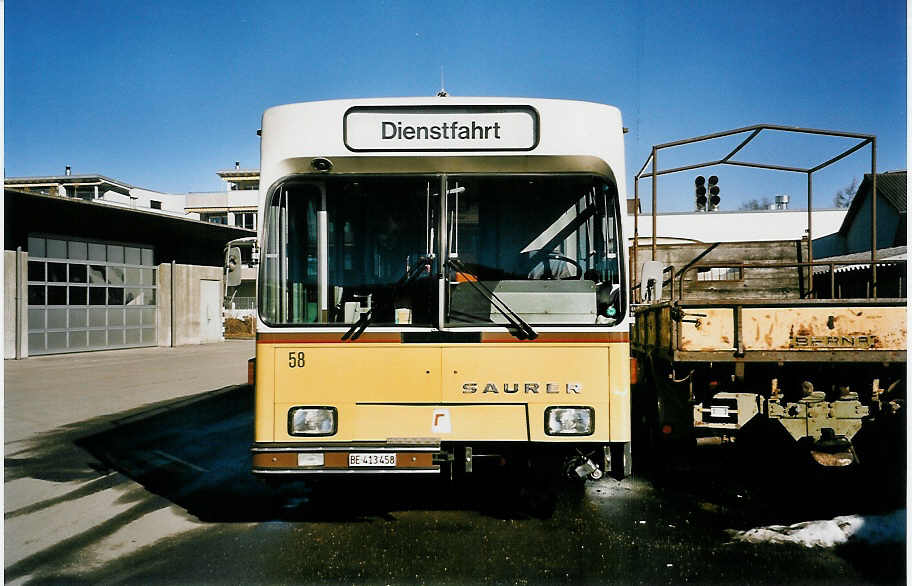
[{"x": 89, "y": 295}]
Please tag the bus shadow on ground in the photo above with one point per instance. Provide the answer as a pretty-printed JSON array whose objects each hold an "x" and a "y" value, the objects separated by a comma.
[
  {"x": 194, "y": 452},
  {"x": 196, "y": 455}
]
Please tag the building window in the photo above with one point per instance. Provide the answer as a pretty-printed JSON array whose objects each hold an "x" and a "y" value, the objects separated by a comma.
[
  {"x": 155, "y": 205},
  {"x": 719, "y": 274},
  {"x": 244, "y": 185},
  {"x": 82, "y": 192},
  {"x": 245, "y": 220},
  {"x": 215, "y": 218}
]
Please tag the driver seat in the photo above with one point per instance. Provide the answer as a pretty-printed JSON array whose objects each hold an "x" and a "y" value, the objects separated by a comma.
[{"x": 553, "y": 268}]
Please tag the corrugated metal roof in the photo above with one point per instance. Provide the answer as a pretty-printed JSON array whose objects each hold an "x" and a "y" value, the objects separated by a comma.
[{"x": 864, "y": 258}]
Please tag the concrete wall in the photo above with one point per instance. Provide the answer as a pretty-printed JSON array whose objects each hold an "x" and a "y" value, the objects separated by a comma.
[
  {"x": 141, "y": 199},
  {"x": 170, "y": 202},
  {"x": 187, "y": 304},
  {"x": 15, "y": 324},
  {"x": 164, "y": 304},
  {"x": 221, "y": 200}
]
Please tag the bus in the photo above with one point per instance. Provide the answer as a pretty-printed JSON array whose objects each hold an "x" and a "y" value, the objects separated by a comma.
[{"x": 442, "y": 286}]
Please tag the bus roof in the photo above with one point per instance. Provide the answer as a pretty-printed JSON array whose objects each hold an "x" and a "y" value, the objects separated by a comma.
[{"x": 437, "y": 129}]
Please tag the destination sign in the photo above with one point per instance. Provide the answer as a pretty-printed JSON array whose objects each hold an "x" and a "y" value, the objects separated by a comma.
[{"x": 435, "y": 128}]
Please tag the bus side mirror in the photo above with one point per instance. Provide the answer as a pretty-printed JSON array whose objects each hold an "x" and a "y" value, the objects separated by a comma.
[{"x": 233, "y": 267}]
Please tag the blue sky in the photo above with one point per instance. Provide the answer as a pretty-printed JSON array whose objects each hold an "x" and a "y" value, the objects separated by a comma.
[{"x": 163, "y": 94}]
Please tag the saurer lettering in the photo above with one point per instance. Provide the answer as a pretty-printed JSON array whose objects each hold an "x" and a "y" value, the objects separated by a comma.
[{"x": 526, "y": 388}]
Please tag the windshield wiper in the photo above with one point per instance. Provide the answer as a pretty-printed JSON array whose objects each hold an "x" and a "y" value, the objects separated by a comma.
[
  {"x": 521, "y": 329},
  {"x": 359, "y": 326}
]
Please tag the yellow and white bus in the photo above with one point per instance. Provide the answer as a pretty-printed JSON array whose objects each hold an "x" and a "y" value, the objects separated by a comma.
[{"x": 442, "y": 283}]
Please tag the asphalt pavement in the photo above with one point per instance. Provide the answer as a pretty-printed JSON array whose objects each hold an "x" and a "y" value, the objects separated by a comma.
[
  {"x": 133, "y": 467},
  {"x": 56, "y": 498}
]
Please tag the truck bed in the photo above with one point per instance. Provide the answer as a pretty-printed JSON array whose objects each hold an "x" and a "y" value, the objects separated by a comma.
[{"x": 773, "y": 330}]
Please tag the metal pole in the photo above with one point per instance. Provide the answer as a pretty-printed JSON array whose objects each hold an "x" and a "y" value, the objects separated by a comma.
[
  {"x": 18, "y": 327},
  {"x": 323, "y": 265},
  {"x": 764, "y": 127},
  {"x": 427, "y": 221},
  {"x": 442, "y": 256},
  {"x": 636, "y": 228},
  {"x": 810, "y": 220},
  {"x": 810, "y": 258},
  {"x": 173, "y": 329},
  {"x": 654, "y": 200},
  {"x": 874, "y": 217},
  {"x": 322, "y": 260}
]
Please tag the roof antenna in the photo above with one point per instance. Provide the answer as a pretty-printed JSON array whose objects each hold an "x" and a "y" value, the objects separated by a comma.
[{"x": 442, "y": 93}]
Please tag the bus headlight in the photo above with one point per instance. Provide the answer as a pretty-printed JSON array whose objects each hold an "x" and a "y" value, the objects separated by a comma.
[
  {"x": 312, "y": 421},
  {"x": 569, "y": 420}
]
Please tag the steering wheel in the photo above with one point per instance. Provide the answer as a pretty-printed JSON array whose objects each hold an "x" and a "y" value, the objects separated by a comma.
[{"x": 539, "y": 259}]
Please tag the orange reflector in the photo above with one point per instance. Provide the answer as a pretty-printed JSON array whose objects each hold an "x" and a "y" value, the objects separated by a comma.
[
  {"x": 634, "y": 371},
  {"x": 666, "y": 429},
  {"x": 251, "y": 371},
  {"x": 275, "y": 460}
]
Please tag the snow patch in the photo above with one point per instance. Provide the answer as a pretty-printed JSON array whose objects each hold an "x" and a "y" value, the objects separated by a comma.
[{"x": 871, "y": 529}]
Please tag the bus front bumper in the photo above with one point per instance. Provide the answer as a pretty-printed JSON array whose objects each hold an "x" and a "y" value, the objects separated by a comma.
[
  {"x": 353, "y": 458},
  {"x": 431, "y": 457}
]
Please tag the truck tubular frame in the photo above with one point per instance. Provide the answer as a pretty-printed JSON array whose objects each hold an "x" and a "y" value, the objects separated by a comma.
[{"x": 755, "y": 130}]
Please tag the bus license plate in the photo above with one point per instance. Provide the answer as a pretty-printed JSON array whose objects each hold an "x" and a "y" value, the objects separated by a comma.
[{"x": 371, "y": 460}]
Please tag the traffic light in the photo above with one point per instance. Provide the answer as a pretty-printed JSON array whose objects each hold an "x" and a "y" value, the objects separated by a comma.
[
  {"x": 700, "y": 192},
  {"x": 714, "y": 198}
]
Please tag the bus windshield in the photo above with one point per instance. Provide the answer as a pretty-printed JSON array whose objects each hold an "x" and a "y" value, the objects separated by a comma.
[
  {"x": 345, "y": 249},
  {"x": 378, "y": 236},
  {"x": 546, "y": 246}
]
